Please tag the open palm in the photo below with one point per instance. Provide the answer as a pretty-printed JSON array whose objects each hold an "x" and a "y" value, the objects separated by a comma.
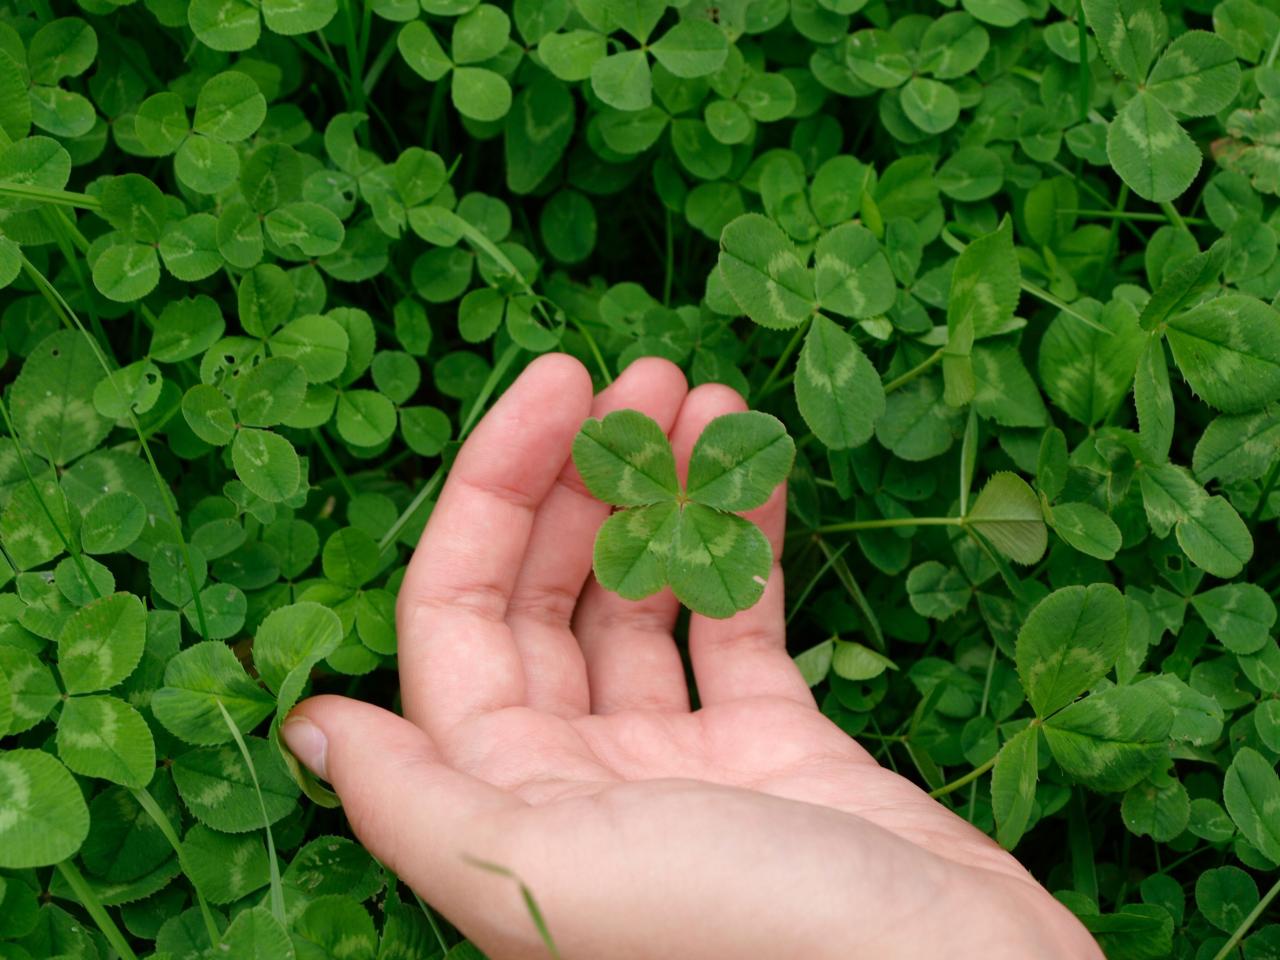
[{"x": 548, "y": 730}]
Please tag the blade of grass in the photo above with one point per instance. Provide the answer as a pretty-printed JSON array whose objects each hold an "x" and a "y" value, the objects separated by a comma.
[
  {"x": 473, "y": 415},
  {"x": 60, "y": 223},
  {"x": 29, "y": 191},
  {"x": 380, "y": 63},
  {"x": 1083, "y": 77},
  {"x": 535, "y": 912},
  {"x": 850, "y": 583},
  {"x": 277, "y": 889},
  {"x": 431, "y": 921},
  {"x": 1247, "y": 923},
  {"x": 982, "y": 712},
  {"x": 1083, "y": 868},
  {"x": 89, "y": 900},
  {"x": 968, "y": 455},
  {"x": 68, "y": 316},
  {"x": 162, "y": 822},
  {"x": 1037, "y": 291},
  {"x": 817, "y": 577},
  {"x": 1011, "y": 579}
]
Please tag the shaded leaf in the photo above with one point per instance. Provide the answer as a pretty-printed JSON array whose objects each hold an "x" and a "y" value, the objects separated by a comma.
[
  {"x": 765, "y": 277},
  {"x": 719, "y": 563},
  {"x": 625, "y": 459},
  {"x": 1013, "y": 786},
  {"x": 1008, "y": 514},
  {"x": 1068, "y": 643},
  {"x": 738, "y": 460},
  {"x": 1111, "y": 740}
]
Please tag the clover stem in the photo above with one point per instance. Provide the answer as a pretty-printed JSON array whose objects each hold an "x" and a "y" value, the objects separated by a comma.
[
  {"x": 849, "y": 526},
  {"x": 328, "y": 52},
  {"x": 499, "y": 371},
  {"x": 7, "y": 557},
  {"x": 1084, "y": 870},
  {"x": 327, "y": 451},
  {"x": 1096, "y": 194},
  {"x": 1113, "y": 235},
  {"x": 968, "y": 778},
  {"x": 792, "y": 345},
  {"x": 422, "y": 496},
  {"x": 1174, "y": 217},
  {"x": 366, "y": 32},
  {"x": 434, "y": 113},
  {"x": 1133, "y": 215},
  {"x": 886, "y": 743},
  {"x": 1204, "y": 848},
  {"x": 530, "y": 903},
  {"x": 982, "y": 712},
  {"x": 483, "y": 244},
  {"x": 914, "y": 372}
]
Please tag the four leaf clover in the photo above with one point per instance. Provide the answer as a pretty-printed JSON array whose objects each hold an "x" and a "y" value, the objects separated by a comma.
[{"x": 687, "y": 536}]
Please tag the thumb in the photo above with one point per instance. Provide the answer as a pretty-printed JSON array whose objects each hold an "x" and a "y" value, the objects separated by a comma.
[{"x": 418, "y": 816}]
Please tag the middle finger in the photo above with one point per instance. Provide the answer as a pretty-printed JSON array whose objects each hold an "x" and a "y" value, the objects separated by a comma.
[
  {"x": 558, "y": 559},
  {"x": 632, "y": 660}
]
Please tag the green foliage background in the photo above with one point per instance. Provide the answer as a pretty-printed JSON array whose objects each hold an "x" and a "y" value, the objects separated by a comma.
[{"x": 1006, "y": 269}]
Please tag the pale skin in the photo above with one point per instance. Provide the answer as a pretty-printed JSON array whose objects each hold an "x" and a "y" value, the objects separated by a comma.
[{"x": 547, "y": 728}]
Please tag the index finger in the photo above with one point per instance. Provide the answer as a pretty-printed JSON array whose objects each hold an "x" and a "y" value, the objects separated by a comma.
[{"x": 457, "y": 655}]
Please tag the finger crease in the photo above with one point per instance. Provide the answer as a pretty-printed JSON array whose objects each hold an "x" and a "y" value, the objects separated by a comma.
[{"x": 514, "y": 494}]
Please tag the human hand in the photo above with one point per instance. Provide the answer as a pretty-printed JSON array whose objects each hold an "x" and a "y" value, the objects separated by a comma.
[{"x": 548, "y": 730}]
